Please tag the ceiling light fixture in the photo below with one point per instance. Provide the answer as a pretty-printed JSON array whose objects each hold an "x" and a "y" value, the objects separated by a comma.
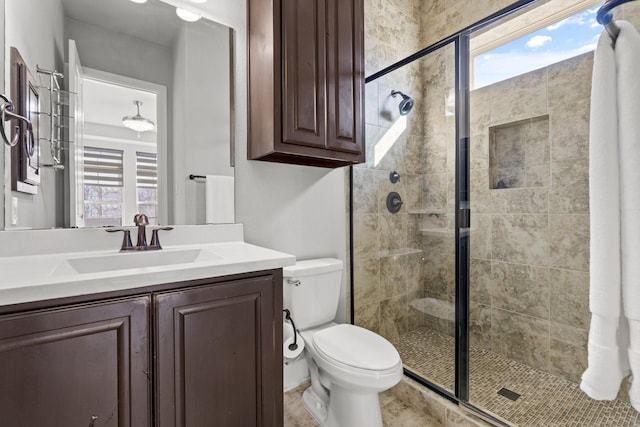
[
  {"x": 137, "y": 122},
  {"x": 140, "y": 1},
  {"x": 198, "y": 1},
  {"x": 187, "y": 15}
]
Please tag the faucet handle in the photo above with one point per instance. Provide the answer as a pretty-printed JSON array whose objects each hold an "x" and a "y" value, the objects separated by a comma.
[
  {"x": 155, "y": 241},
  {"x": 126, "y": 241}
]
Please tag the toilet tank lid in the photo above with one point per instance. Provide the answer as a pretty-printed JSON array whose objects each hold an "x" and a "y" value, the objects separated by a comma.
[{"x": 313, "y": 266}]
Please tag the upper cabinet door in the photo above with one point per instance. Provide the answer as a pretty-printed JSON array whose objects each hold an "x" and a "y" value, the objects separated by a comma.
[
  {"x": 345, "y": 75},
  {"x": 304, "y": 65},
  {"x": 306, "y": 82}
]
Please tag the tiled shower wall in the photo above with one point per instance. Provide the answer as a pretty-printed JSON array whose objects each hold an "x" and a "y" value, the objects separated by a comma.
[
  {"x": 387, "y": 266},
  {"x": 529, "y": 245}
]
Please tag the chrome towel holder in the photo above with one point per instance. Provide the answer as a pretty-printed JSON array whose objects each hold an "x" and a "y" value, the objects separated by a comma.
[{"x": 7, "y": 114}]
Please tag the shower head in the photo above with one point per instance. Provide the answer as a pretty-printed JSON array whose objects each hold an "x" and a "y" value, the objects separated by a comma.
[{"x": 407, "y": 103}]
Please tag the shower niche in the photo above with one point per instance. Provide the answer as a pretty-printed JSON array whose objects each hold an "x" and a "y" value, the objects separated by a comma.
[{"x": 519, "y": 154}]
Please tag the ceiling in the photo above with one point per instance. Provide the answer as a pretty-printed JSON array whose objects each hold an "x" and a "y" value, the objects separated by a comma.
[
  {"x": 107, "y": 104},
  {"x": 153, "y": 21}
]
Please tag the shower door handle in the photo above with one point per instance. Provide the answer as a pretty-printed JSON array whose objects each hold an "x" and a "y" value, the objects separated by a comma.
[{"x": 464, "y": 218}]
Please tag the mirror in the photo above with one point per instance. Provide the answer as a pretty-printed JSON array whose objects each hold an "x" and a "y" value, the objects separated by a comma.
[{"x": 124, "y": 59}]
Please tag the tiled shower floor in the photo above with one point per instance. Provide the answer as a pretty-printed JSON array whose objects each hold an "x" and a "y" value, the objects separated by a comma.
[{"x": 546, "y": 400}]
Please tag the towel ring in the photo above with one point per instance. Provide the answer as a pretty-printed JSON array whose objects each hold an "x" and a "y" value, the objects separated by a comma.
[{"x": 6, "y": 114}]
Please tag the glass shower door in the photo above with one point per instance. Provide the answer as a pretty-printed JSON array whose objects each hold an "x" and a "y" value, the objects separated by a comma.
[{"x": 404, "y": 261}]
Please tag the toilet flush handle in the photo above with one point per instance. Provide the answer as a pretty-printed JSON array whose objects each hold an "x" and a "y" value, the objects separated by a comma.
[{"x": 293, "y": 282}]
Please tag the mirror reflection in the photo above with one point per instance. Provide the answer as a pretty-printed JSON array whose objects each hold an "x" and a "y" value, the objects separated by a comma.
[{"x": 142, "y": 101}]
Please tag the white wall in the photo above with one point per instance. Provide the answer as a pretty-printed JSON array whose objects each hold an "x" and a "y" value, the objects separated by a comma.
[
  {"x": 117, "y": 53},
  {"x": 35, "y": 29},
  {"x": 201, "y": 115},
  {"x": 296, "y": 209}
]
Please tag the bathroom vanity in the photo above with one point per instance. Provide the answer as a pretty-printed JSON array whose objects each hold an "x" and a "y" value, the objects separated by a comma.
[{"x": 135, "y": 346}]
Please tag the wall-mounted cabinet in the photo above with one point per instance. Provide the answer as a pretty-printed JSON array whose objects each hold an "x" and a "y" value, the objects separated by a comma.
[{"x": 306, "y": 81}]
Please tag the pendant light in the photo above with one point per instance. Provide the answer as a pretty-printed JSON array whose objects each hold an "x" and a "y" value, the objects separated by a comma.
[{"x": 137, "y": 122}]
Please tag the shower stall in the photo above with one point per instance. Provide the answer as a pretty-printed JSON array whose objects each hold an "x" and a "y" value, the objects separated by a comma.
[{"x": 478, "y": 268}]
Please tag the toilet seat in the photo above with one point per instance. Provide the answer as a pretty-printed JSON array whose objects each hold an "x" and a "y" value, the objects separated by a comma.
[{"x": 356, "y": 347}]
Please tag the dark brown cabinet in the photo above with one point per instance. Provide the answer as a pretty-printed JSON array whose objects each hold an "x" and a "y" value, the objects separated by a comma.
[
  {"x": 219, "y": 357},
  {"x": 77, "y": 366},
  {"x": 306, "y": 81},
  {"x": 216, "y": 347}
]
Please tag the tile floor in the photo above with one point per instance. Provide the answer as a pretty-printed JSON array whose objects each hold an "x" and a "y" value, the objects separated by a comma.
[
  {"x": 546, "y": 400},
  {"x": 395, "y": 412}
]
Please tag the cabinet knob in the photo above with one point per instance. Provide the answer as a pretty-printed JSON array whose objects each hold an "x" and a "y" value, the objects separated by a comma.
[{"x": 94, "y": 418}]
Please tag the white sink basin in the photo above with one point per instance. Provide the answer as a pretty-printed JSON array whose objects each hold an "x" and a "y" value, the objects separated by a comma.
[{"x": 133, "y": 259}]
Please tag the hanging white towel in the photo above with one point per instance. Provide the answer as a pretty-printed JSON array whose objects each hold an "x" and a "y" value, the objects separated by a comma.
[
  {"x": 219, "y": 198},
  {"x": 614, "y": 191}
]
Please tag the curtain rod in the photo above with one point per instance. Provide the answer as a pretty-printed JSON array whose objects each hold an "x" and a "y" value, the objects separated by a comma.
[{"x": 605, "y": 17}]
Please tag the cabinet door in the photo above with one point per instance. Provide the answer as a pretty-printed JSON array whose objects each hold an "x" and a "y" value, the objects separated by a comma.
[
  {"x": 345, "y": 75},
  {"x": 78, "y": 366},
  {"x": 304, "y": 68},
  {"x": 219, "y": 354}
]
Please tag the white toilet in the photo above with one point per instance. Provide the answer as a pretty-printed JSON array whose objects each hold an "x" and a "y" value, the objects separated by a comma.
[{"x": 349, "y": 365}]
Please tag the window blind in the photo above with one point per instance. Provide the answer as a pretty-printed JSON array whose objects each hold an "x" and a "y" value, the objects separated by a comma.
[
  {"x": 146, "y": 170},
  {"x": 103, "y": 166}
]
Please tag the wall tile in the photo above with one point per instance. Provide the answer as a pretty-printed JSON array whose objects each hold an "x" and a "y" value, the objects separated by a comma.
[
  {"x": 569, "y": 191},
  {"x": 479, "y": 150},
  {"x": 537, "y": 175},
  {"x": 480, "y": 326},
  {"x": 367, "y": 285},
  {"x": 521, "y": 288},
  {"x": 368, "y": 317},
  {"x": 537, "y": 145},
  {"x": 519, "y": 200},
  {"x": 481, "y": 281},
  {"x": 366, "y": 243},
  {"x": 569, "y": 291},
  {"x": 521, "y": 239},
  {"x": 440, "y": 276},
  {"x": 569, "y": 242},
  {"x": 436, "y": 153},
  {"x": 522, "y": 338},
  {"x": 568, "y": 351},
  {"x": 435, "y": 189},
  {"x": 371, "y": 103},
  {"x": 365, "y": 190},
  {"x": 393, "y": 230},
  {"x": 393, "y": 317},
  {"x": 481, "y": 200},
  {"x": 415, "y": 154},
  {"x": 393, "y": 275},
  {"x": 519, "y": 98},
  {"x": 481, "y": 235},
  {"x": 570, "y": 142}
]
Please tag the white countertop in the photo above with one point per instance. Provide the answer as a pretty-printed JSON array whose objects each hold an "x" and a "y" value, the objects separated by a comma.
[{"x": 49, "y": 274}]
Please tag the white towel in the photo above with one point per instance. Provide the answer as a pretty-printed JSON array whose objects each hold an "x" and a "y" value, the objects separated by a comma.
[
  {"x": 614, "y": 177},
  {"x": 219, "y": 198}
]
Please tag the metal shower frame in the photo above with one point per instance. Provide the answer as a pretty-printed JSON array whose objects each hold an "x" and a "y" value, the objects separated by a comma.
[{"x": 460, "y": 40}]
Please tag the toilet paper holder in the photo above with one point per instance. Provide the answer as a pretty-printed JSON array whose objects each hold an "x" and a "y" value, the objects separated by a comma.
[{"x": 287, "y": 315}]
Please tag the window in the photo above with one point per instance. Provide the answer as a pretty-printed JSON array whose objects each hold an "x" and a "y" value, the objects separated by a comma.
[
  {"x": 147, "y": 185},
  {"x": 103, "y": 187},
  {"x": 547, "y": 34}
]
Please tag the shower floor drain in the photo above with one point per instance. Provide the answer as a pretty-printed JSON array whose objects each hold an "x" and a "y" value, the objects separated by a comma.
[{"x": 511, "y": 395}]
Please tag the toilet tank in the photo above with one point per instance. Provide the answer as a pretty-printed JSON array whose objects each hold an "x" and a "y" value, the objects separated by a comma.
[{"x": 312, "y": 291}]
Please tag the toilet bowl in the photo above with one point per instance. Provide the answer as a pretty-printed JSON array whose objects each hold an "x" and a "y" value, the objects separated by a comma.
[{"x": 349, "y": 365}]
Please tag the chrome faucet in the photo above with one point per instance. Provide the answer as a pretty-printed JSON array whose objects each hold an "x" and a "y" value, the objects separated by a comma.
[{"x": 141, "y": 221}]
